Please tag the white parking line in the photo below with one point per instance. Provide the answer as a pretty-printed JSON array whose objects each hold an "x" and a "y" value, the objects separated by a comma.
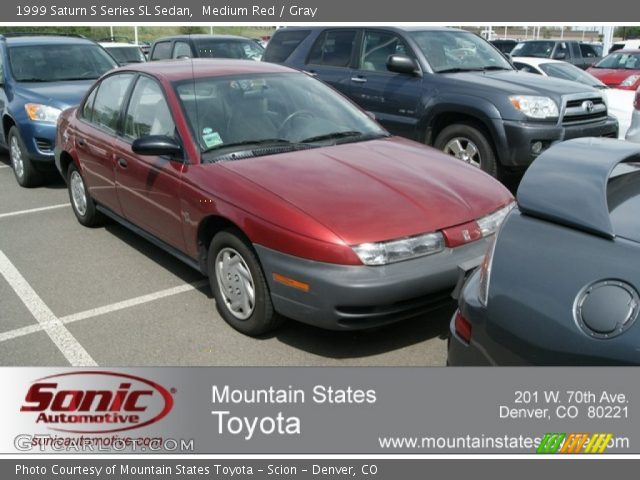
[
  {"x": 75, "y": 353},
  {"x": 132, "y": 302},
  {"x": 94, "y": 312},
  {"x": 34, "y": 210}
]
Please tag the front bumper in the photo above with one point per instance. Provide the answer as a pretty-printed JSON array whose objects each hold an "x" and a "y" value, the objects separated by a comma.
[
  {"x": 516, "y": 152},
  {"x": 39, "y": 140},
  {"x": 345, "y": 297}
]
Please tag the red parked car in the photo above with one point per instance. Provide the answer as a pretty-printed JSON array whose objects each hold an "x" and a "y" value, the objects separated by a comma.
[
  {"x": 289, "y": 197},
  {"x": 620, "y": 69}
]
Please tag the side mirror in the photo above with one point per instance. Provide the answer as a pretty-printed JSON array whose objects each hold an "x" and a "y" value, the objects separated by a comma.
[
  {"x": 156, "y": 145},
  {"x": 560, "y": 56},
  {"x": 401, "y": 64}
]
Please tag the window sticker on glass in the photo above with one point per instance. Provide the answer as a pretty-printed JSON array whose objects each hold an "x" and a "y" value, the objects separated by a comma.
[{"x": 211, "y": 138}]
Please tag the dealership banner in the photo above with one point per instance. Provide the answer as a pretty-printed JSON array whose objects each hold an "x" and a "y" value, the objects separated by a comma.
[
  {"x": 275, "y": 12},
  {"x": 541, "y": 411}
]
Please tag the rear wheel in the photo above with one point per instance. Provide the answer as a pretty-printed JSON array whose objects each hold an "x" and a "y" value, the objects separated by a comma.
[
  {"x": 467, "y": 143},
  {"x": 239, "y": 286},
  {"x": 26, "y": 174},
  {"x": 82, "y": 204}
]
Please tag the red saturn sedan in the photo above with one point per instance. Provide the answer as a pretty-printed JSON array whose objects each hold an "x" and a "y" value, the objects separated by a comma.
[
  {"x": 620, "y": 69},
  {"x": 292, "y": 200}
]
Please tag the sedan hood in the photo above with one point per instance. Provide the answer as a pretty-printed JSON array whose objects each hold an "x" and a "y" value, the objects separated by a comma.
[
  {"x": 61, "y": 95},
  {"x": 611, "y": 76},
  {"x": 376, "y": 190}
]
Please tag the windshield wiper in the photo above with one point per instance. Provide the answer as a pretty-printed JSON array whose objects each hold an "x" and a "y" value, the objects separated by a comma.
[
  {"x": 336, "y": 136},
  {"x": 248, "y": 142},
  {"x": 33, "y": 79},
  {"x": 458, "y": 70},
  {"x": 71, "y": 79},
  {"x": 494, "y": 67}
]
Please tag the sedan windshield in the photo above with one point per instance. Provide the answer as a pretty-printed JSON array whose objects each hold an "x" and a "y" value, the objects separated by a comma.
[
  {"x": 540, "y": 49},
  {"x": 284, "y": 111},
  {"x": 59, "y": 63},
  {"x": 620, "y": 60},
  {"x": 240, "y": 49},
  {"x": 566, "y": 71},
  {"x": 456, "y": 51}
]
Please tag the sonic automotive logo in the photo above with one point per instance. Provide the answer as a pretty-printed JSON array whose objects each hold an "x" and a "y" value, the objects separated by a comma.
[{"x": 116, "y": 403}]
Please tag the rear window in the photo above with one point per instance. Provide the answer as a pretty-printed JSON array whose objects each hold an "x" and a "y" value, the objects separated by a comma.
[
  {"x": 623, "y": 197},
  {"x": 533, "y": 49},
  {"x": 283, "y": 43}
]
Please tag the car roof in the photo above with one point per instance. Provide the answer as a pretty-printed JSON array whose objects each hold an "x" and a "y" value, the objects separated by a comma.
[
  {"x": 536, "y": 61},
  {"x": 182, "y": 69},
  {"x": 118, "y": 44},
  {"x": 200, "y": 36},
  {"x": 46, "y": 40}
]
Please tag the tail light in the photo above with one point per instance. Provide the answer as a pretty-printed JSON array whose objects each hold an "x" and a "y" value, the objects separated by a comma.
[
  {"x": 636, "y": 101},
  {"x": 485, "y": 271},
  {"x": 462, "y": 327}
]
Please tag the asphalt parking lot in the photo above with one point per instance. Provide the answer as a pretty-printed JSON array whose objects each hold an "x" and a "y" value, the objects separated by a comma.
[{"x": 84, "y": 297}]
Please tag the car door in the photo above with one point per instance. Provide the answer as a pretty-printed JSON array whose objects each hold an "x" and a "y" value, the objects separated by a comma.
[
  {"x": 391, "y": 97},
  {"x": 148, "y": 187},
  {"x": 96, "y": 134},
  {"x": 331, "y": 58}
]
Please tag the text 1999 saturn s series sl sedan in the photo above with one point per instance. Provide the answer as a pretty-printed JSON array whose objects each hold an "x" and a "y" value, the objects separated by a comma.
[{"x": 289, "y": 197}]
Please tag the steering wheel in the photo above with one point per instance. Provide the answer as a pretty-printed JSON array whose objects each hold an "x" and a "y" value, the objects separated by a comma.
[{"x": 291, "y": 117}]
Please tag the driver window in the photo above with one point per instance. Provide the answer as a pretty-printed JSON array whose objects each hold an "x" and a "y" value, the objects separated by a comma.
[
  {"x": 181, "y": 50},
  {"x": 148, "y": 112},
  {"x": 376, "y": 49}
]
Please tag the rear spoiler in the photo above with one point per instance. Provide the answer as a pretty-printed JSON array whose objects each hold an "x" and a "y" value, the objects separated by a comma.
[{"x": 567, "y": 184}]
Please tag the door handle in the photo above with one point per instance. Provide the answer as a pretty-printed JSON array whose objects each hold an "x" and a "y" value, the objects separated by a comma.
[
  {"x": 81, "y": 142},
  {"x": 311, "y": 73},
  {"x": 122, "y": 162},
  {"x": 359, "y": 79}
]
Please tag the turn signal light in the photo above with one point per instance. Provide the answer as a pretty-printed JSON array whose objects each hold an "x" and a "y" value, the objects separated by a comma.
[
  {"x": 290, "y": 282},
  {"x": 462, "y": 327}
]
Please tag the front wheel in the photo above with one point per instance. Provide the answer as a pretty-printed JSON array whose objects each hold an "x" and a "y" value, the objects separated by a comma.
[
  {"x": 26, "y": 174},
  {"x": 239, "y": 286},
  {"x": 467, "y": 143}
]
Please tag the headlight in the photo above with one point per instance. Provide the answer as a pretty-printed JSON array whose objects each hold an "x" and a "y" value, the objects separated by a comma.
[
  {"x": 630, "y": 81},
  {"x": 535, "y": 107},
  {"x": 392, "y": 251},
  {"x": 485, "y": 272},
  {"x": 42, "y": 113},
  {"x": 490, "y": 223}
]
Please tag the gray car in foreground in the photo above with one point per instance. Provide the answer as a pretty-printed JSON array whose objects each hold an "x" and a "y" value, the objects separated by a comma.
[
  {"x": 633, "y": 134},
  {"x": 560, "y": 284}
]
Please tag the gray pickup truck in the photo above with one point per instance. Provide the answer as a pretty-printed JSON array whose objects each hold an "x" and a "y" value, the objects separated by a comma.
[
  {"x": 579, "y": 54},
  {"x": 448, "y": 88}
]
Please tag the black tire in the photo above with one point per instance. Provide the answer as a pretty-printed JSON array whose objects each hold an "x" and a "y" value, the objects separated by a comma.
[
  {"x": 261, "y": 318},
  {"x": 88, "y": 216},
  {"x": 469, "y": 133},
  {"x": 26, "y": 174}
]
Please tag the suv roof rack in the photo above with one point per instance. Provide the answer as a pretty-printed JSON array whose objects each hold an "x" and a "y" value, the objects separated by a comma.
[{"x": 40, "y": 34}]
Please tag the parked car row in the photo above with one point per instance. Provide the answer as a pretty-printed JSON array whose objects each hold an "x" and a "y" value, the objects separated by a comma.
[{"x": 297, "y": 203}]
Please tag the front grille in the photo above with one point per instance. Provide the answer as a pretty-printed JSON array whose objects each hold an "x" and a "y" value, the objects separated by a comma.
[
  {"x": 584, "y": 110},
  {"x": 44, "y": 145}
]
